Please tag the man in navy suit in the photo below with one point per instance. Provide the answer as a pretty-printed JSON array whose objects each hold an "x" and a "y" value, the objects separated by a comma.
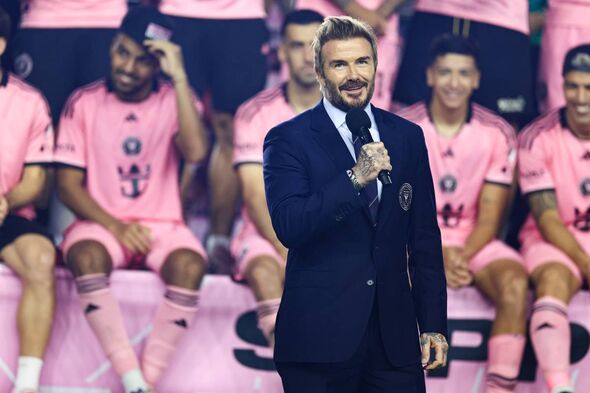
[{"x": 364, "y": 303}]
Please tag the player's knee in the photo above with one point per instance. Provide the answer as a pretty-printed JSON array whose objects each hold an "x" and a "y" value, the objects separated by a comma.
[
  {"x": 184, "y": 268},
  {"x": 262, "y": 269},
  {"x": 513, "y": 290},
  {"x": 555, "y": 280},
  {"x": 88, "y": 257},
  {"x": 39, "y": 261}
]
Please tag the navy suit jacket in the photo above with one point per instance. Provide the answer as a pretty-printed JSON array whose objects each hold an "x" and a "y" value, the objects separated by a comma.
[{"x": 338, "y": 259}]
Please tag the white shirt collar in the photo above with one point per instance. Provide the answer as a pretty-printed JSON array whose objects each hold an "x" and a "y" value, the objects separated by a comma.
[{"x": 338, "y": 116}]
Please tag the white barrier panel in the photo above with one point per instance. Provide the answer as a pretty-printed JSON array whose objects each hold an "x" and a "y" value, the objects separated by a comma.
[{"x": 224, "y": 352}]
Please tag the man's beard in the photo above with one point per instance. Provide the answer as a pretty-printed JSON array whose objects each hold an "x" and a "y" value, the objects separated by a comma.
[{"x": 335, "y": 97}]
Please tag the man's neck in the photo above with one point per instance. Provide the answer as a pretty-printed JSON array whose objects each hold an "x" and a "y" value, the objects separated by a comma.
[
  {"x": 448, "y": 122},
  {"x": 581, "y": 131},
  {"x": 301, "y": 98}
]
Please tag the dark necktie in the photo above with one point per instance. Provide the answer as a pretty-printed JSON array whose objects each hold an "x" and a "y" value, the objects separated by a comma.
[{"x": 369, "y": 193}]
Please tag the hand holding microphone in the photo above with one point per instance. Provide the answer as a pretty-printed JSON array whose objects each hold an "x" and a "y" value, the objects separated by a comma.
[{"x": 373, "y": 159}]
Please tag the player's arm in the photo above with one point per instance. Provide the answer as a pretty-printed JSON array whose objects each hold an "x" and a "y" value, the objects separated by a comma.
[
  {"x": 191, "y": 139},
  {"x": 493, "y": 200},
  {"x": 252, "y": 183},
  {"x": 73, "y": 193},
  {"x": 29, "y": 189},
  {"x": 543, "y": 205}
]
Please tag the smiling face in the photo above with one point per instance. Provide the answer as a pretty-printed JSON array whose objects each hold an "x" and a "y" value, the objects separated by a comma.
[
  {"x": 453, "y": 79},
  {"x": 347, "y": 75},
  {"x": 133, "y": 69},
  {"x": 576, "y": 88}
]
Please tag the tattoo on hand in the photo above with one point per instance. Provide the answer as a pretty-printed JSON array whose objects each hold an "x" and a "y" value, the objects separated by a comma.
[
  {"x": 436, "y": 337},
  {"x": 542, "y": 201},
  {"x": 366, "y": 163}
]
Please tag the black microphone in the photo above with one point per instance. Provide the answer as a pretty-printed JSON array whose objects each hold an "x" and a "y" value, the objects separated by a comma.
[{"x": 358, "y": 123}]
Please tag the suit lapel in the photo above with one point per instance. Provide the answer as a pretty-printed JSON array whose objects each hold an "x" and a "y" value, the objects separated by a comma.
[
  {"x": 394, "y": 143},
  {"x": 328, "y": 137}
]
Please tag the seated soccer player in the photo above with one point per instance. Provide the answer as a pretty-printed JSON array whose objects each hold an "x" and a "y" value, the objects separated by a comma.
[
  {"x": 26, "y": 138},
  {"x": 259, "y": 254},
  {"x": 472, "y": 155},
  {"x": 120, "y": 145},
  {"x": 554, "y": 165}
]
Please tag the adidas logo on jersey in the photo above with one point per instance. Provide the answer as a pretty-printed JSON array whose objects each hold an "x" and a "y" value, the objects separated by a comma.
[
  {"x": 90, "y": 308},
  {"x": 181, "y": 322},
  {"x": 131, "y": 117},
  {"x": 586, "y": 155}
]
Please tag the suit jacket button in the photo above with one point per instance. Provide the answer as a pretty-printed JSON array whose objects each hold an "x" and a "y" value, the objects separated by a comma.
[{"x": 370, "y": 283}]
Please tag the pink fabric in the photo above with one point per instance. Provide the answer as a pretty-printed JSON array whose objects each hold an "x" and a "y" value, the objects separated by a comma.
[
  {"x": 567, "y": 24},
  {"x": 484, "y": 150},
  {"x": 218, "y": 9},
  {"x": 537, "y": 252},
  {"x": 128, "y": 150},
  {"x": 510, "y": 14},
  {"x": 167, "y": 237},
  {"x": 504, "y": 356},
  {"x": 63, "y": 14},
  {"x": 551, "y": 338},
  {"x": 493, "y": 251},
  {"x": 104, "y": 317},
  {"x": 26, "y": 134},
  {"x": 171, "y": 322},
  {"x": 552, "y": 157},
  {"x": 388, "y": 47},
  {"x": 208, "y": 355}
]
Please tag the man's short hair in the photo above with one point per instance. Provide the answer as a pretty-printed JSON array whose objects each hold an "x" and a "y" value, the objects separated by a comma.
[
  {"x": 5, "y": 25},
  {"x": 577, "y": 59},
  {"x": 300, "y": 17},
  {"x": 453, "y": 44},
  {"x": 341, "y": 28}
]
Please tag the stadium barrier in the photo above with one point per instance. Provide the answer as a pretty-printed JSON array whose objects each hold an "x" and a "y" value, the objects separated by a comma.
[{"x": 224, "y": 352}]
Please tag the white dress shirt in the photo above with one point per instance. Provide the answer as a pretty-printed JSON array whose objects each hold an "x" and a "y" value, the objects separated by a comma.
[{"x": 338, "y": 117}]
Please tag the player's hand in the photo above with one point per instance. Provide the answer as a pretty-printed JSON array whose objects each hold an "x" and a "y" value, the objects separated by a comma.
[
  {"x": 170, "y": 56},
  {"x": 456, "y": 268},
  {"x": 373, "y": 158},
  {"x": 438, "y": 342},
  {"x": 4, "y": 208},
  {"x": 134, "y": 237},
  {"x": 373, "y": 18}
]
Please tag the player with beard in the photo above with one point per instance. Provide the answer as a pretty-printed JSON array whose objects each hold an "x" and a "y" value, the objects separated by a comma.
[
  {"x": 120, "y": 145},
  {"x": 349, "y": 319},
  {"x": 472, "y": 157},
  {"x": 554, "y": 159},
  {"x": 259, "y": 254}
]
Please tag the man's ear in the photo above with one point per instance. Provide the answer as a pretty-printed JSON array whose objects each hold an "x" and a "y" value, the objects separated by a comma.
[{"x": 2, "y": 45}]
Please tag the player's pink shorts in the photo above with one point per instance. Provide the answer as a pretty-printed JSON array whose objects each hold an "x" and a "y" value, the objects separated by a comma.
[
  {"x": 248, "y": 246},
  {"x": 538, "y": 252},
  {"x": 493, "y": 251},
  {"x": 167, "y": 237}
]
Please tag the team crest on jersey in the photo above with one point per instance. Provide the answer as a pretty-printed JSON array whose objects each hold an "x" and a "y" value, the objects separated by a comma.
[
  {"x": 448, "y": 184},
  {"x": 582, "y": 220},
  {"x": 134, "y": 179},
  {"x": 585, "y": 187},
  {"x": 132, "y": 146},
  {"x": 23, "y": 65},
  {"x": 405, "y": 196},
  {"x": 451, "y": 216}
]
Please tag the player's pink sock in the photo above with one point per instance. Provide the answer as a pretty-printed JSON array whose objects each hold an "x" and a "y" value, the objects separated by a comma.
[
  {"x": 175, "y": 314},
  {"x": 266, "y": 310},
  {"x": 551, "y": 338},
  {"x": 104, "y": 316},
  {"x": 504, "y": 356}
]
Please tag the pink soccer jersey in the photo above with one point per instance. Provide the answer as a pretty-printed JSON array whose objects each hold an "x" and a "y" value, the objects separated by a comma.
[
  {"x": 26, "y": 134},
  {"x": 253, "y": 120},
  {"x": 484, "y": 150},
  {"x": 552, "y": 157},
  {"x": 510, "y": 14},
  {"x": 567, "y": 24},
  {"x": 127, "y": 149},
  {"x": 217, "y": 9},
  {"x": 388, "y": 47},
  {"x": 60, "y": 14}
]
